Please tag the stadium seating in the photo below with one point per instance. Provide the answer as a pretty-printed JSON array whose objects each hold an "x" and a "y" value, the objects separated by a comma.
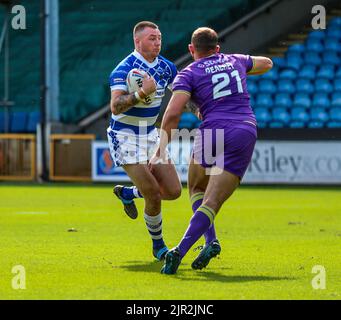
[
  {"x": 280, "y": 115},
  {"x": 2, "y": 122},
  {"x": 302, "y": 100},
  {"x": 32, "y": 122},
  {"x": 308, "y": 76},
  {"x": 283, "y": 100},
  {"x": 101, "y": 36},
  {"x": 264, "y": 100},
  {"x": 299, "y": 114},
  {"x": 308, "y": 82},
  {"x": 336, "y": 99},
  {"x": 319, "y": 114},
  {"x": 188, "y": 120},
  {"x": 18, "y": 122},
  {"x": 263, "y": 115},
  {"x": 304, "y": 86}
]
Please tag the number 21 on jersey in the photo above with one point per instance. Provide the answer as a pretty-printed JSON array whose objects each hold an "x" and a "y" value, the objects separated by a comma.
[{"x": 222, "y": 81}]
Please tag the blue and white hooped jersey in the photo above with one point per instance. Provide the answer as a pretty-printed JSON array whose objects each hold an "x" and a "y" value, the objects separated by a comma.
[{"x": 141, "y": 115}]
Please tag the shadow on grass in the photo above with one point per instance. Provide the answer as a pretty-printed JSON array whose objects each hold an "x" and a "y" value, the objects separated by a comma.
[
  {"x": 185, "y": 273},
  {"x": 216, "y": 276},
  {"x": 139, "y": 266}
]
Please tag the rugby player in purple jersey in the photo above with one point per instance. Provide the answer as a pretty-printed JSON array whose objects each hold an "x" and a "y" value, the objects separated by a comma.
[{"x": 216, "y": 83}]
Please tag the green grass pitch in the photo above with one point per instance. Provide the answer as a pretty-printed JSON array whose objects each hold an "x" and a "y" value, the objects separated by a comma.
[{"x": 271, "y": 240}]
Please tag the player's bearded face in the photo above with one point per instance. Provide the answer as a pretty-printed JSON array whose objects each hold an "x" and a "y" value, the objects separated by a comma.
[{"x": 149, "y": 42}]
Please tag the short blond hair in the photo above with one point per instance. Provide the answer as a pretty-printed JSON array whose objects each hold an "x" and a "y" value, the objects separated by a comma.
[
  {"x": 204, "y": 39},
  {"x": 144, "y": 24}
]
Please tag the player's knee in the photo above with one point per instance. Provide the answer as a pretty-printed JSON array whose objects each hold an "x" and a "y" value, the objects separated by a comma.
[{"x": 174, "y": 193}]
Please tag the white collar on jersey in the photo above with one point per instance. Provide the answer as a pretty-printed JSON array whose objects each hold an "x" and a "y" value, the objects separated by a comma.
[{"x": 140, "y": 56}]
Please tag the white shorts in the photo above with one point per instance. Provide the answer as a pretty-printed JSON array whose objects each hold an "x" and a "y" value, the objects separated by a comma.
[{"x": 128, "y": 148}]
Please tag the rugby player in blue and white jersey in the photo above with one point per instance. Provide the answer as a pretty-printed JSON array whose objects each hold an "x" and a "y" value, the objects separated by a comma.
[{"x": 133, "y": 137}]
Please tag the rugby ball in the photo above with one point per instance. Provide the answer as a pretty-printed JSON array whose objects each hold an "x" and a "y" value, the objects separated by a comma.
[{"x": 134, "y": 82}]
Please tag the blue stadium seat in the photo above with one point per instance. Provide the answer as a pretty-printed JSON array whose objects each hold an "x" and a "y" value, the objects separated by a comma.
[
  {"x": 2, "y": 122},
  {"x": 296, "y": 124},
  {"x": 280, "y": 115},
  {"x": 293, "y": 55},
  {"x": 321, "y": 100},
  {"x": 316, "y": 35},
  {"x": 337, "y": 84},
  {"x": 285, "y": 86},
  {"x": 261, "y": 125},
  {"x": 266, "y": 86},
  {"x": 299, "y": 114},
  {"x": 18, "y": 122},
  {"x": 338, "y": 73},
  {"x": 294, "y": 63},
  {"x": 262, "y": 115},
  {"x": 279, "y": 62},
  {"x": 336, "y": 99},
  {"x": 334, "y": 124},
  {"x": 332, "y": 44},
  {"x": 33, "y": 120},
  {"x": 287, "y": 74},
  {"x": 314, "y": 45},
  {"x": 270, "y": 75},
  {"x": 335, "y": 22},
  {"x": 264, "y": 100},
  {"x": 319, "y": 114},
  {"x": 304, "y": 86},
  {"x": 302, "y": 100},
  {"x": 276, "y": 124},
  {"x": 297, "y": 47},
  {"x": 185, "y": 125},
  {"x": 335, "y": 114},
  {"x": 331, "y": 57},
  {"x": 252, "y": 101},
  {"x": 307, "y": 72},
  {"x": 187, "y": 120},
  {"x": 197, "y": 123},
  {"x": 312, "y": 58},
  {"x": 315, "y": 125},
  {"x": 252, "y": 87},
  {"x": 333, "y": 32},
  {"x": 323, "y": 86},
  {"x": 283, "y": 100},
  {"x": 326, "y": 71}
]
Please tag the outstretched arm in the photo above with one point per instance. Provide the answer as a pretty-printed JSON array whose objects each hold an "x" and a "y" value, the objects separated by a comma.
[{"x": 260, "y": 65}]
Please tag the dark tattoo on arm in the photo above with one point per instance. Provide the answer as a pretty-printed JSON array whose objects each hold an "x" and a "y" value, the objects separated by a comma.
[{"x": 124, "y": 102}]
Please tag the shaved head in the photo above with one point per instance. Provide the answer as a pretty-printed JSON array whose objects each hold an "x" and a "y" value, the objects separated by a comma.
[
  {"x": 139, "y": 27},
  {"x": 204, "y": 39}
]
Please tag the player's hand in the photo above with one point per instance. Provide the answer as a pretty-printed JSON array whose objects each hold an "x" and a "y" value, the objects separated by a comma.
[
  {"x": 148, "y": 85},
  {"x": 156, "y": 159}
]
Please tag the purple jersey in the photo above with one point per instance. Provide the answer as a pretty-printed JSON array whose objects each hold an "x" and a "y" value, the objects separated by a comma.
[{"x": 217, "y": 85}]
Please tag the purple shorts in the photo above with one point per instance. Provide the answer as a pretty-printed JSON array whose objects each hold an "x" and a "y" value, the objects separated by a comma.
[{"x": 226, "y": 144}]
